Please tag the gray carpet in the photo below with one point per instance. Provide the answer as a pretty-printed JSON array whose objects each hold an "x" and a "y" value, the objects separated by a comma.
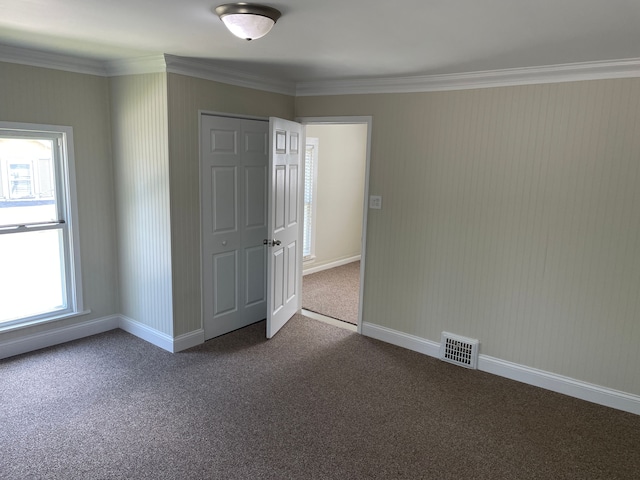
[
  {"x": 334, "y": 292},
  {"x": 315, "y": 402}
]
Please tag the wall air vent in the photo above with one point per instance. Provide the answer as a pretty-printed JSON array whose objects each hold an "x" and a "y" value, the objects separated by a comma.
[{"x": 459, "y": 350}]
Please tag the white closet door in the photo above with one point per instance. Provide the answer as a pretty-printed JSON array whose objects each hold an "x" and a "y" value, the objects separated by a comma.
[{"x": 234, "y": 160}]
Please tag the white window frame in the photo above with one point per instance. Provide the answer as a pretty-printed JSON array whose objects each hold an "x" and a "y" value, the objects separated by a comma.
[
  {"x": 64, "y": 164},
  {"x": 313, "y": 142}
]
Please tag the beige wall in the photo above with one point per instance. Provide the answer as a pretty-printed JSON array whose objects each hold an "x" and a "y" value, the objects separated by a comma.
[
  {"x": 156, "y": 159},
  {"x": 510, "y": 215},
  {"x": 187, "y": 95},
  {"x": 340, "y": 191},
  {"x": 39, "y": 95},
  {"x": 141, "y": 168}
]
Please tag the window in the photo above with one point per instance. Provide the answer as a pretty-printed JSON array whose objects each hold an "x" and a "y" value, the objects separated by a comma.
[
  {"x": 39, "y": 256},
  {"x": 310, "y": 184}
]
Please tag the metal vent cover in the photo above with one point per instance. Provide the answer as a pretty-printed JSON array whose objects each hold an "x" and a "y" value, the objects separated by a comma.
[{"x": 459, "y": 350}]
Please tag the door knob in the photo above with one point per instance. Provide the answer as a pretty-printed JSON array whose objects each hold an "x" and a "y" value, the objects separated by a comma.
[{"x": 271, "y": 243}]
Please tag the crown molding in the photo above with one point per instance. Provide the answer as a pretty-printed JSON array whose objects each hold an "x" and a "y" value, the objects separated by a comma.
[
  {"x": 204, "y": 69},
  {"x": 208, "y": 71},
  {"x": 627, "y": 68},
  {"x": 151, "y": 64},
  {"x": 56, "y": 61},
  {"x": 136, "y": 66}
]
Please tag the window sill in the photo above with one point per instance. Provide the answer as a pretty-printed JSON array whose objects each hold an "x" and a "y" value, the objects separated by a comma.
[
  {"x": 41, "y": 321},
  {"x": 309, "y": 259}
]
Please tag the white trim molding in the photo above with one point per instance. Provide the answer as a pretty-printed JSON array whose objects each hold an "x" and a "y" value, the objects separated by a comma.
[
  {"x": 56, "y": 336},
  {"x": 159, "y": 339},
  {"x": 136, "y": 66},
  {"x": 626, "y": 68},
  {"x": 146, "y": 333},
  {"x": 327, "y": 266},
  {"x": 520, "y": 373},
  {"x": 205, "y": 69},
  {"x": 561, "y": 384},
  {"x": 188, "y": 340},
  {"x": 55, "y": 61},
  {"x": 209, "y": 70},
  {"x": 196, "y": 68},
  {"x": 404, "y": 340}
]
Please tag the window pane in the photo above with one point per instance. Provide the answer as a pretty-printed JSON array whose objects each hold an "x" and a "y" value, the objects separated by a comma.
[
  {"x": 27, "y": 181},
  {"x": 308, "y": 201},
  {"x": 31, "y": 274}
]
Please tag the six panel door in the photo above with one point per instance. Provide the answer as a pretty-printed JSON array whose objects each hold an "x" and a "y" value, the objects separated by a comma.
[{"x": 234, "y": 160}]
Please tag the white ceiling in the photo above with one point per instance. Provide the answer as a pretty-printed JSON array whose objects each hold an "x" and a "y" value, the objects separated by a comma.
[{"x": 329, "y": 39}]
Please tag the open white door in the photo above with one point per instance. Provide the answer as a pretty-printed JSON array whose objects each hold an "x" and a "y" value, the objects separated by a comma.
[{"x": 283, "y": 226}]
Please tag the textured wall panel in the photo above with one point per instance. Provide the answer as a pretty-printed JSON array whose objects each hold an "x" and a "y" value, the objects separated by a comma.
[
  {"x": 511, "y": 215},
  {"x": 39, "y": 95},
  {"x": 141, "y": 165},
  {"x": 186, "y": 96}
]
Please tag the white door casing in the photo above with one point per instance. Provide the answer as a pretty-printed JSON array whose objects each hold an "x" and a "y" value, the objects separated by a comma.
[
  {"x": 284, "y": 244},
  {"x": 233, "y": 181},
  {"x": 368, "y": 120}
]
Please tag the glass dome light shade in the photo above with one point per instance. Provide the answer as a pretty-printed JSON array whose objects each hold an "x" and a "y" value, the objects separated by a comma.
[
  {"x": 248, "y": 26},
  {"x": 246, "y": 20}
]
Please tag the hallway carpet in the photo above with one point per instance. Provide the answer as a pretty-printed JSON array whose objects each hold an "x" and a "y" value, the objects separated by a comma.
[{"x": 334, "y": 293}]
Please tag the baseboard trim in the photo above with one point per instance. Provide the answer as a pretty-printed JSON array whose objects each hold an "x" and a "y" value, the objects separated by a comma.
[
  {"x": 188, "y": 340},
  {"x": 521, "y": 373},
  {"x": 146, "y": 333},
  {"x": 327, "y": 266},
  {"x": 561, "y": 384},
  {"x": 410, "y": 342},
  {"x": 56, "y": 336}
]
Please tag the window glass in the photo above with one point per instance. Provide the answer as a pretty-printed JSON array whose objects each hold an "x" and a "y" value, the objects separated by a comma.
[
  {"x": 29, "y": 194},
  {"x": 310, "y": 173},
  {"x": 39, "y": 270},
  {"x": 32, "y": 279}
]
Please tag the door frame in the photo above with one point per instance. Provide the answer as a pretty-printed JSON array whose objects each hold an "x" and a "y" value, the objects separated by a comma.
[
  {"x": 332, "y": 120},
  {"x": 350, "y": 120}
]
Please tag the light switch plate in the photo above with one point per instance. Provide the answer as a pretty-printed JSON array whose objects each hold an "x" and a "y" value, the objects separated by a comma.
[{"x": 375, "y": 202}]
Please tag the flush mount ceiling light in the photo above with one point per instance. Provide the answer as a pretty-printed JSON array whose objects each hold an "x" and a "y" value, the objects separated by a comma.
[{"x": 247, "y": 20}]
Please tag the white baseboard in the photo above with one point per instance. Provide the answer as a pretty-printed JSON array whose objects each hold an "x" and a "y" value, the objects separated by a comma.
[
  {"x": 410, "y": 342},
  {"x": 147, "y": 333},
  {"x": 327, "y": 266},
  {"x": 561, "y": 384},
  {"x": 159, "y": 339},
  {"x": 188, "y": 340},
  {"x": 56, "y": 336},
  {"x": 521, "y": 373},
  {"x": 49, "y": 338}
]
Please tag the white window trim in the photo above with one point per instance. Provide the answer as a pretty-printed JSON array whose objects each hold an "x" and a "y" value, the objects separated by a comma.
[
  {"x": 74, "y": 269},
  {"x": 314, "y": 195}
]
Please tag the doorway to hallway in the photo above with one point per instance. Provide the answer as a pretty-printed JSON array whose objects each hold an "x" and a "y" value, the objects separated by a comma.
[{"x": 336, "y": 181}]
